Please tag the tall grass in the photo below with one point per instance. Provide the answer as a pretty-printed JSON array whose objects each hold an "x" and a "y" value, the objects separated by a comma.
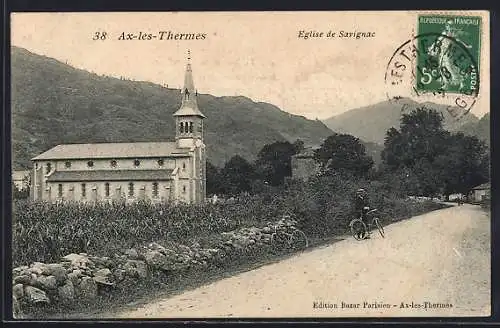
[{"x": 44, "y": 232}]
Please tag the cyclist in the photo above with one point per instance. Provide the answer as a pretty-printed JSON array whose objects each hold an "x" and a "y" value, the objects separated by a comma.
[{"x": 361, "y": 207}]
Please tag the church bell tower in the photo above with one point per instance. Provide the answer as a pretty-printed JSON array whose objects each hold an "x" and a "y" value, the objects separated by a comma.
[
  {"x": 189, "y": 119},
  {"x": 189, "y": 134}
]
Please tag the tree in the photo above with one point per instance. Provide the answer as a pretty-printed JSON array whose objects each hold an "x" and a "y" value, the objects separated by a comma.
[
  {"x": 464, "y": 164},
  {"x": 421, "y": 135},
  {"x": 22, "y": 193},
  {"x": 425, "y": 178},
  {"x": 435, "y": 160},
  {"x": 274, "y": 161},
  {"x": 393, "y": 154},
  {"x": 343, "y": 152},
  {"x": 237, "y": 175},
  {"x": 214, "y": 179}
]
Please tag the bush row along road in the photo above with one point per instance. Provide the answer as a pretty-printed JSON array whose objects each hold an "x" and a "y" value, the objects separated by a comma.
[{"x": 439, "y": 257}]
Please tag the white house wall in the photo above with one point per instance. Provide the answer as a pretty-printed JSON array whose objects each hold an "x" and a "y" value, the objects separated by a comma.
[{"x": 49, "y": 190}]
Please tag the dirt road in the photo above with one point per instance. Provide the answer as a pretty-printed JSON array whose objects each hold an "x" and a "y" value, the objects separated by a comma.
[{"x": 442, "y": 257}]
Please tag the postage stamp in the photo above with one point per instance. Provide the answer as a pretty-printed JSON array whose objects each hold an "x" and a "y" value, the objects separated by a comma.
[
  {"x": 440, "y": 62},
  {"x": 448, "y": 54},
  {"x": 240, "y": 165}
]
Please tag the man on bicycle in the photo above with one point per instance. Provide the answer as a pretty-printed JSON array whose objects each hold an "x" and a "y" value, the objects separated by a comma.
[{"x": 361, "y": 207}]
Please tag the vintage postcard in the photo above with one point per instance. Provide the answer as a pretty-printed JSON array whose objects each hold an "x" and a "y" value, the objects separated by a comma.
[{"x": 250, "y": 164}]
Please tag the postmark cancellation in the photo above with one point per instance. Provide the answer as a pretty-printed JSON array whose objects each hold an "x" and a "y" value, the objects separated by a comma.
[{"x": 439, "y": 63}]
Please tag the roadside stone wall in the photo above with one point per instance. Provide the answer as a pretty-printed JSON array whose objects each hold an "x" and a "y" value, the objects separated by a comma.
[{"x": 83, "y": 277}]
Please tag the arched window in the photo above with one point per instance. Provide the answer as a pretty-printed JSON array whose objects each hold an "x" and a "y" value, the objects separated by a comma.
[
  {"x": 60, "y": 190},
  {"x": 106, "y": 189},
  {"x": 155, "y": 189},
  {"x": 183, "y": 188},
  {"x": 131, "y": 189},
  {"x": 49, "y": 167},
  {"x": 181, "y": 127},
  {"x": 84, "y": 190},
  {"x": 191, "y": 127}
]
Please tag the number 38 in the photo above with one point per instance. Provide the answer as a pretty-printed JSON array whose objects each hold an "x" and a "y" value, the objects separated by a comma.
[{"x": 100, "y": 36}]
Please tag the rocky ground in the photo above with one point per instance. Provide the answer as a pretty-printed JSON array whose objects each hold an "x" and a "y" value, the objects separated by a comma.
[{"x": 82, "y": 279}]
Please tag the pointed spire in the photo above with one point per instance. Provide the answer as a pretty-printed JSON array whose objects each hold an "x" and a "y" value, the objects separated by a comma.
[
  {"x": 189, "y": 104},
  {"x": 188, "y": 77}
]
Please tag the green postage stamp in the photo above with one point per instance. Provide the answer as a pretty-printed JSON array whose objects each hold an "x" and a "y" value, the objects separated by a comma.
[{"x": 448, "y": 54}]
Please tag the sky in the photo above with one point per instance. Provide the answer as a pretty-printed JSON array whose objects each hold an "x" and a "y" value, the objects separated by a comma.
[{"x": 254, "y": 54}]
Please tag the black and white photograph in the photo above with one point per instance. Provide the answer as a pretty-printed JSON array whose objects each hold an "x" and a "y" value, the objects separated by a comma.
[{"x": 315, "y": 164}]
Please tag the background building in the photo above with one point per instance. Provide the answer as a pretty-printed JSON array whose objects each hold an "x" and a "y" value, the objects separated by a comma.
[
  {"x": 481, "y": 192},
  {"x": 160, "y": 171},
  {"x": 304, "y": 165},
  {"x": 21, "y": 179}
]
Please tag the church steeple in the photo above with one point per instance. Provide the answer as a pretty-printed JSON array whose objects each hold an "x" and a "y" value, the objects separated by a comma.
[
  {"x": 188, "y": 77},
  {"x": 189, "y": 105},
  {"x": 189, "y": 118}
]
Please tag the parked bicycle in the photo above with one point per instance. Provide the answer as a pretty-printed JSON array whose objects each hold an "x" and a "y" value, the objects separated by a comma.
[{"x": 359, "y": 230}]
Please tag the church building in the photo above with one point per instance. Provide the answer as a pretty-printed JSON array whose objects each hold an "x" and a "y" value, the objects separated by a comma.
[{"x": 170, "y": 171}]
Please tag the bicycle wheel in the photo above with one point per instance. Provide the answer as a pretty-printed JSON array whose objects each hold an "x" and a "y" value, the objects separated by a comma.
[
  {"x": 358, "y": 229},
  {"x": 380, "y": 228},
  {"x": 279, "y": 241},
  {"x": 298, "y": 240}
]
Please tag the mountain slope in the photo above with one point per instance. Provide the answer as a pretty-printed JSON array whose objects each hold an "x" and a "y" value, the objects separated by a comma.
[
  {"x": 370, "y": 123},
  {"x": 480, "y": 129},
  {"x": 53, "y": 103},
  {"x": 375, "y": 151}
]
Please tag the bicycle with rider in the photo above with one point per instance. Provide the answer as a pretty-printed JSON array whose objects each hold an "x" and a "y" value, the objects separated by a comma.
[{"x": 361, "y": 207}]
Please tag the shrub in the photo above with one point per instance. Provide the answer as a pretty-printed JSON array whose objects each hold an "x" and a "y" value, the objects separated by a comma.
[{"x": 322, "y": 207}]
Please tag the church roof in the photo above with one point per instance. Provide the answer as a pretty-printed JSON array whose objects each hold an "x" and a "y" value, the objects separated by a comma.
[
  {"x": 306, "y": 153},
  {"x": 110, "y": 175},
  {"x": 483, "y": 186},
  {"x": 189, "y": 111},
  {"x": 113, "y": 150}
]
